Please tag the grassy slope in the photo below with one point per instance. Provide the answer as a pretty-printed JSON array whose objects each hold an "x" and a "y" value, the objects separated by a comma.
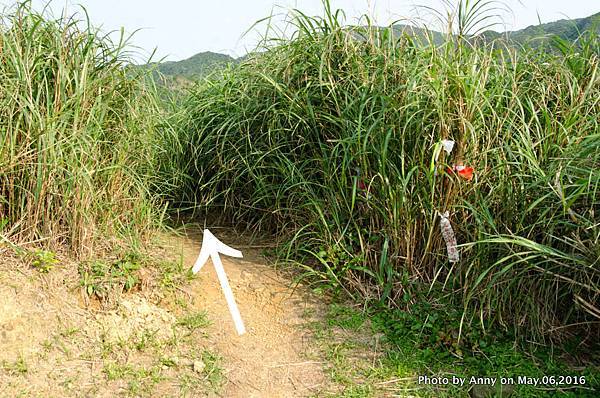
[{"x": 409, "y": 347}]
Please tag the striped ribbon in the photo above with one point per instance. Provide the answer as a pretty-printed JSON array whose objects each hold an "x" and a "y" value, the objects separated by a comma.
[{"x": 449, "y": 238}]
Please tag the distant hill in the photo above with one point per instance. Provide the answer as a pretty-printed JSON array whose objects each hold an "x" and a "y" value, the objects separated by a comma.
[
  {"x": 535, "y": 35},
  {"x": 196, "y": 66},
  {"x": 422, "y": 35},
  {"x": 539, "y": 35},
  {"x": 182, "y": 73}
]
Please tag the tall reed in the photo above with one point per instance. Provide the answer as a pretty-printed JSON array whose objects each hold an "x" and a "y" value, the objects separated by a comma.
[
  {"x": 76, "y": 128},
  {"x": 332, "y": 140}
]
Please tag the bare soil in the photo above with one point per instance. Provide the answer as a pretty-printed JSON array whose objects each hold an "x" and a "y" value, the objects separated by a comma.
[
  {"x": 276, "y": 357},
  {"x": 55, "y": 342}
]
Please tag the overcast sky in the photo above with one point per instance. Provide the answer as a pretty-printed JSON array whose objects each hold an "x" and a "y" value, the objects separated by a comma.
[{"x": 182, "y": 28}]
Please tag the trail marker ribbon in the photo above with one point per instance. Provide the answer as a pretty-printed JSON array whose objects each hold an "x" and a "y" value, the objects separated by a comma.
[{"x": 449, "y": 238}]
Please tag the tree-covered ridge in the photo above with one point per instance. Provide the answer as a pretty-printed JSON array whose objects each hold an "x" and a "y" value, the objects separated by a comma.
[
  {"x": 536, "y": 35},
  {"x": 198, "y": 65}
]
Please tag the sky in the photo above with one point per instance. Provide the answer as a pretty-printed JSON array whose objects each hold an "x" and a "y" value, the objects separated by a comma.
[{"x": 179, "y": 29}]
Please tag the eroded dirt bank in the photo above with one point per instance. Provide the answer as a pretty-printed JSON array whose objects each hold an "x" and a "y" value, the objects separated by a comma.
[{"x": 54, "y": 343}]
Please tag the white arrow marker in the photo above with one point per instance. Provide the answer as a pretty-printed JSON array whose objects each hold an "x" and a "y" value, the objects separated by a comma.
[{"x": 211, "y": 247}]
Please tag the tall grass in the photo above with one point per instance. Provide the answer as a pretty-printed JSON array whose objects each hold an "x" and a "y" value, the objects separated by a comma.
[
  {"x": 76, "y": 128},
  {"x": 332, "y": 140}
]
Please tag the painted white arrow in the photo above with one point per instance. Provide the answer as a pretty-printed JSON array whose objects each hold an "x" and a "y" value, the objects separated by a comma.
[{"x": 211, "y": 247}]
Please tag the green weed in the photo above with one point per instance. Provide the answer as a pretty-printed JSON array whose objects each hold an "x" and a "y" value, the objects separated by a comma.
[
  {"x": 43, "y": 260},
  {"x": 213, "y": 369},
  {"x": 19, "y": 367},
  {"x": 139, "y": 380},
  {"x": 211, "y": 376},
  {"x": 173, "y": 274},
  {"x": 195, "y": 321},
  {"x": 146, "y": 339},
  {"x": 100, "y": 278},
  {"x": 189, "y": 383}
]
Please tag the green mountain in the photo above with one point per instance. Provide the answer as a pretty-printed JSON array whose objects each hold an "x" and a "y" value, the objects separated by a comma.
[
  {"x": 422, "y": 35},
  {"x": 181, "y": 74},
  {"x": 539, "y": 35},
  {"x": 535, "y": 35},
  {"x": 196, "y": 66}
]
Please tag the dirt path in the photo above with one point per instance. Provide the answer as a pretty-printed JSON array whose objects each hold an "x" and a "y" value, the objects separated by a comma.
[
  {"x": 275, "y": 357},
  {"x": 53, "y": 344}
]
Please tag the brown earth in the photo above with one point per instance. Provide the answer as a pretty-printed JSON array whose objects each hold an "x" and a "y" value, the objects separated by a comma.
[
  {"x": 276, "y": 357},
  {"x": 54, "y": 345}
]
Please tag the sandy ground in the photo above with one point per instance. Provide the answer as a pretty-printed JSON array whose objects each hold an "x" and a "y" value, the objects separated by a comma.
[
  {"x": 54, "y": 344},
  {"x": 275, "y": 357}
]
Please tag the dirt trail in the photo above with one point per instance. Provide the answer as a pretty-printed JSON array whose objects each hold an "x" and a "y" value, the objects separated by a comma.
[
  {"x": 275, "y": 357},
  {"x": 52, "y": 344}
]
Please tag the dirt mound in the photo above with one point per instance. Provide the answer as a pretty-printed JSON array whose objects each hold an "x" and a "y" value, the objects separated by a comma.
[{"x": 133, "y": 318}]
